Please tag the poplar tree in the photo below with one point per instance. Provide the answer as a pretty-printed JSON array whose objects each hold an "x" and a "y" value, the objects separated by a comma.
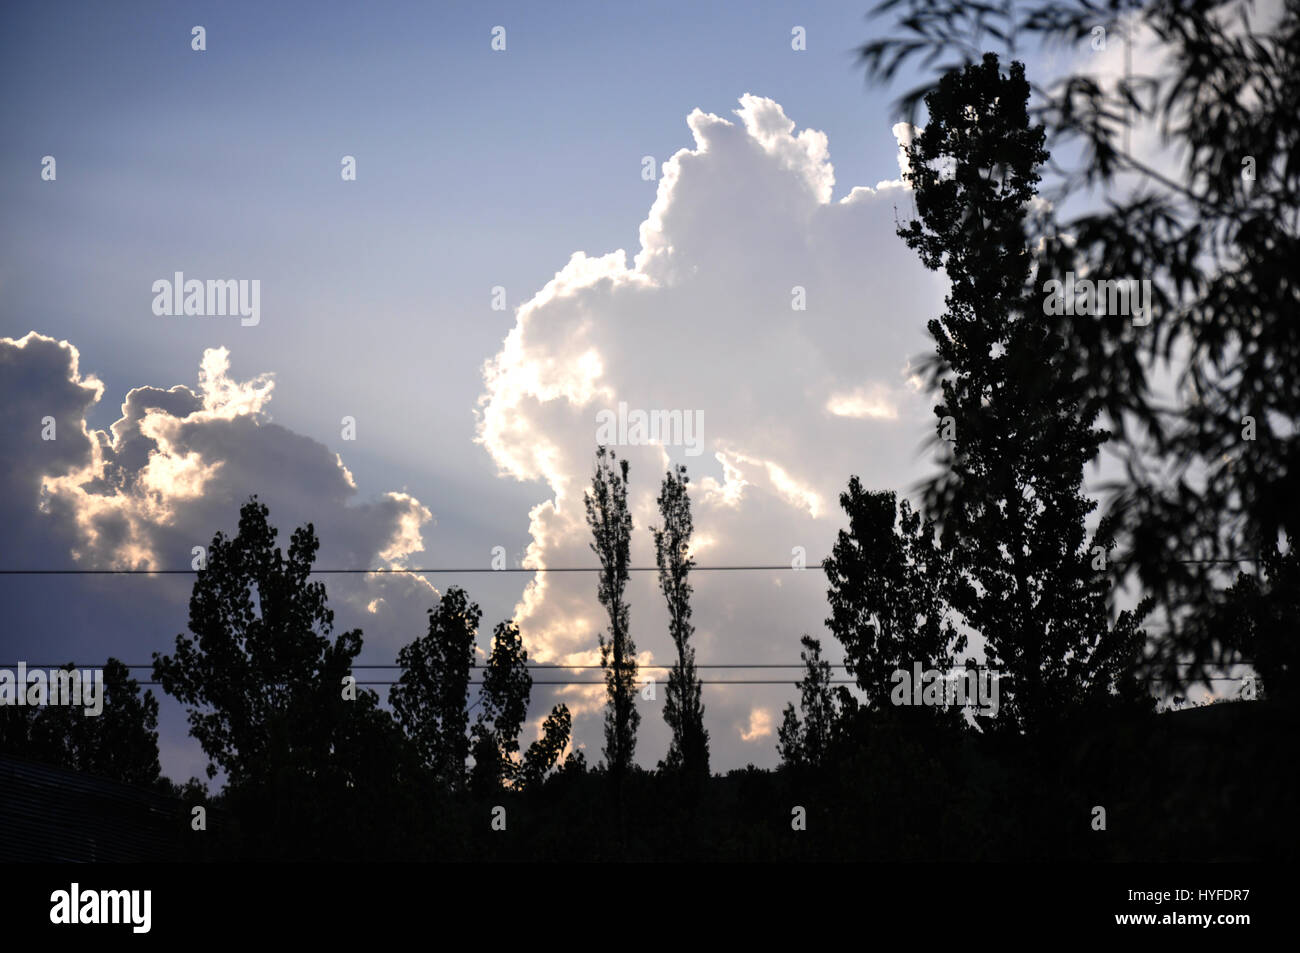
[
  {"x": 611, "y": 527},
  {"x": 683, "y": 711},
  {"x": 1015, "y": 411}
]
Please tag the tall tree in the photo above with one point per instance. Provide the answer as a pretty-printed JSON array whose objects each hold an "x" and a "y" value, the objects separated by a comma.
[
  {"x": 683, "y": 711},
  {"x": 431, "y": 696},
  {"x": 611, "y": 526},
  {"x": 1016, "y": 407},
  {"x": 1208, "y": 473},
  {"x": 890, "y": 582}
]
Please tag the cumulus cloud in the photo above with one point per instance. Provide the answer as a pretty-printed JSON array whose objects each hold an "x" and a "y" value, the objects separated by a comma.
[
  {"x": 178, "y": 463},
  {"x": 903, "y": 132},
  {"x": 785, "y": 316},
  {"x": 163, "y": 478}
]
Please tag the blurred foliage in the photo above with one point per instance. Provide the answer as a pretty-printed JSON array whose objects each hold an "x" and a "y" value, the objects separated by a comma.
[{"x": 1218, "y": 240}]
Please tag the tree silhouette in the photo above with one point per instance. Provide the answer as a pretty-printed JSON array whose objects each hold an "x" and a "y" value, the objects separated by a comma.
[
  {"x": 806, "y": 742},
  {"x": 431, "y": 695},
  {"x": 1014, "y": 407},
  {"x": 1256, "y": 617},
  {"x": 545, "y": 752},
  {"x": 611, "y": 526},
  {"x": 689, "y": 749},
  {"x": 120, "y": 743},
  {"x": 314, "y": 766},
  {"x": 1208, "y": 475},
  {"x": 264, "y": 683},
  {"x": 503, "y": 705},
  {"x": 889, "y": 591}
]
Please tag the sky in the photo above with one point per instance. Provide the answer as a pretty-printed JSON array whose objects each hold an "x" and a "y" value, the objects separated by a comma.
[{"x": 514, "y": 177}]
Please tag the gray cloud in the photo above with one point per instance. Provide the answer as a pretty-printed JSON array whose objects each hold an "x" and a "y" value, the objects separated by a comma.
[{"x": 170, "y": 472}]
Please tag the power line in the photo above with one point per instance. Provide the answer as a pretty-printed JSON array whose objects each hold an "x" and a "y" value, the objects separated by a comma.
[
  {"x": 561, "y": 666},
  {"x": 709, "y": 681},
  {"x": 705, "y": 681},
  {"x": 778, "y": 681},
  {"x": 454, "y": 570},
  {"x": 531, "y": 665},
  {"x": 396, "y": 570}
]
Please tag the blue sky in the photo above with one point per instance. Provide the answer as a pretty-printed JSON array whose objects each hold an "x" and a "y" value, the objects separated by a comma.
[{"x": 475, "y": 169}]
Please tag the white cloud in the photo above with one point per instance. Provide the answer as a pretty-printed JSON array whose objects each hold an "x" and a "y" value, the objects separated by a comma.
[
  {"x": 863, "y": 402},
  {"x": 760, "y": 725},
  {"x": 793, "y": 402},
  {"x": 903, "y": 132}
]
